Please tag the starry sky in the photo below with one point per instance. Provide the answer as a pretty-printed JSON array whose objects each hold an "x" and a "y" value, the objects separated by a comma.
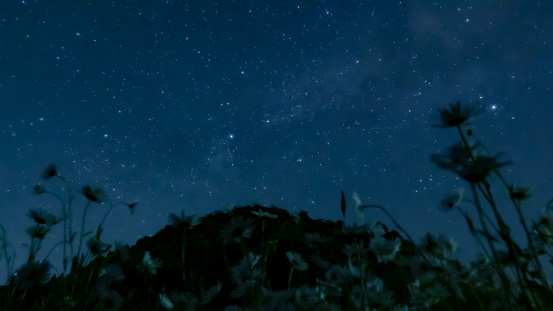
[{"x": 203, "y": 105}]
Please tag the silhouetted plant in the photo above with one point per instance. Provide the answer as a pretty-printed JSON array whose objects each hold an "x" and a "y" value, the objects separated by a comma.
[
  {"x": 470, "y": 161},
  {"x": 291, "y": 262},
  {"x": 187, "y": 223},
  {"x": 456, "y": 115},
  {"x": 5, "y": 253},
  {"x": 66, "y": 213}
]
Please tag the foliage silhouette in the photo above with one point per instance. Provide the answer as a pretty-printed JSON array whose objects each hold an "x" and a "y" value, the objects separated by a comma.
[{"x": 256, "y": 257}]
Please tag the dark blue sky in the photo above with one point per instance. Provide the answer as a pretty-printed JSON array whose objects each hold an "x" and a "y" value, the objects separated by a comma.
[{"x": 205, "y": 105}]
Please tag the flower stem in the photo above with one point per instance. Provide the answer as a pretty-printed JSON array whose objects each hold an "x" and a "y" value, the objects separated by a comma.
[{"x": 82, "y": 228}]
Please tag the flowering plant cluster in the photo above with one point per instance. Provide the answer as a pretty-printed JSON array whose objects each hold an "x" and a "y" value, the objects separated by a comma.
[{"x": 264, "y": 258}]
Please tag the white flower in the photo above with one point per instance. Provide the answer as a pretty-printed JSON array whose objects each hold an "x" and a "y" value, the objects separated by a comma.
[
  {"x": 355, "y": 249},
  {"x": 237, "y": 229},
  {"x": 165, "y": 302},
  {"x": 452, "y": 199},
  {"x": 213, "y": 291},
  {"x": 319, "y": 262},
  {"x": 246, "y": 274},
  {"x": 376, "y": 230},
  {"x": 150, "y": 263},
  {"x": 187, "y": 299},
  {"x": 296, "y": 261},
  {"x": 376, "y": 284},
  {"x": 306, "y": 297},
  {"x": 336, "y": 275},
  {"x": 187, "y": 221},
  {"x": 275, "y": 300},
  {"x": 385, "y": 250},
  {"x": 440, "y": 245}
]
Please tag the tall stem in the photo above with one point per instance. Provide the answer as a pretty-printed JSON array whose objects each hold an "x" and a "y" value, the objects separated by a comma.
[
  {"x": 498, "y": 266},
  {"x": 82, "y": 229},
  {"x": 527, "y": 232}
]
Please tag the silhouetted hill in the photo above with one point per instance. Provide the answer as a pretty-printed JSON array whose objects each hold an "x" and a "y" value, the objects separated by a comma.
[{"x": 194, "y": 258}]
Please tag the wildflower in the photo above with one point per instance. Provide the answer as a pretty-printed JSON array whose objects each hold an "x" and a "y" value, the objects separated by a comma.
[
  {"x": 429, "y": 245},
  {"x": 460, "y": 160},
  {"x": 455, "y": 156},
  {"x": 542, "y": 235},
  {"x": 385, "y": 250},
  {"x": 456, "y": 115},
  {"x": 481, "y": 167},
  {"x": 357, "y": 297},
  {"x": 246, "y": 274},
  {"x": 452, "y": 200},
  {"x": 298, "y": 215},
  {"x": 376, "y": 235},
  {"x": 213, "y": 291},
  {"x": 376, "y": 230},
  {"x": 189, "y": 222},
  {"x": 32, "y": 274},
  {"x": 38, "y": 231},
  {"x": 110, "y": 274},
  {"x": 132, "y": 207},
  {"x": 43, "y": 217},
  {"x": 518, "y": 194},
  {"x": 306, "y": 297},
  {"x": 38, "y": 189},
  {"x": 336, "y": 275},
  {"x": 241, "y": 289},
  {"x": 165, "y": 302},
  {"x": 111, "y": 300},
  {"x": 150, "y": 263},
  {"x": 187, "y": 299},
  {"x": 296, "y": 261},
  {"x": 433, "y": 294},
  {"x": 121, "y": 250},
  {"x": 247, "y": 267},
  {"x": 376, "y": 284},
  {"x": 264, "y": 214},
  {"x": 95, "y": 195},
  {"x": 50, "y": 171},
  {"x": 237, "y": 229},
  {"x": 97, "y": 247},
  {"x": 355, "y": 271},
  {"x": 275, "y": 300},
  {"x": 439, "y": 246},
  {"x": 319, "y": 262},
  {"x": 355, "y": 249}
]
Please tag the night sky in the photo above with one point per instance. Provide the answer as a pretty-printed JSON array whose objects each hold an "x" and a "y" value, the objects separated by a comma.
[{"x": 204, "y": 105}]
